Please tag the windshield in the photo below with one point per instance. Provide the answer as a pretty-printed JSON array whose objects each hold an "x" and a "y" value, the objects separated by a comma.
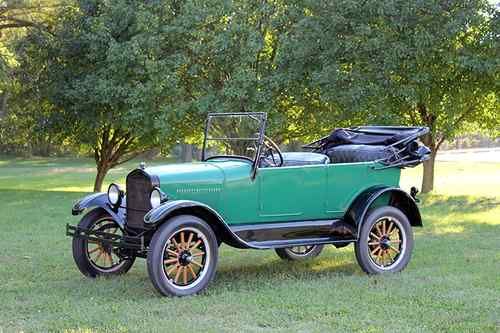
[{"x": 233, "y": 134}]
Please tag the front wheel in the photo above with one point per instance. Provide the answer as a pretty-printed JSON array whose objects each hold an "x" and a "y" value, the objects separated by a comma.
[
  {"x": 182, "y": 256},
  {"x": 299, "y": 252},
  {"x": 385, "y": 242},
  {"x": 94, "y": 258}
]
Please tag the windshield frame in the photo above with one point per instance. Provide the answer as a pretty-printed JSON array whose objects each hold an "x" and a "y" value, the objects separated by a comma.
[{"x": 260, "y": 116}]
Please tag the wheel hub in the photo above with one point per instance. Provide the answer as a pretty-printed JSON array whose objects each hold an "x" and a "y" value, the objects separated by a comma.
[
  {"x": 185, "y": 258},
  {"x": 385, "y": 243}
]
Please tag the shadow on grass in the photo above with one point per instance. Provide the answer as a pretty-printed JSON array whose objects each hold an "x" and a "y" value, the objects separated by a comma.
[
  {"x": 460, "y": 204},
  {"x": 244, "y": 277}
]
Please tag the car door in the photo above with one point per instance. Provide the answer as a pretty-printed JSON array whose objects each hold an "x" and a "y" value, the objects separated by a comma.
[{"x": 292, "y": 193}]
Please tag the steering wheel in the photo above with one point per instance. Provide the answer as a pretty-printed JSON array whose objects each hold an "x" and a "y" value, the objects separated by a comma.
[{"x": 270, "y": 150}]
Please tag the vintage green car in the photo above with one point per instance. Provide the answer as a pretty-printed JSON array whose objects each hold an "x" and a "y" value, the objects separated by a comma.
[{"x": 248, "y": 194}]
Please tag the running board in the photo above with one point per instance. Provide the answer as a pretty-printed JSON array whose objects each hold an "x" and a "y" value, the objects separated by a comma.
[{"x": 295, "y": 233}]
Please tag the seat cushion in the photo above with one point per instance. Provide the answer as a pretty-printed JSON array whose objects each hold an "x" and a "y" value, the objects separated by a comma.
[
  {"x": 304, "y": 158},
  {"x": 359, "y": 153}
]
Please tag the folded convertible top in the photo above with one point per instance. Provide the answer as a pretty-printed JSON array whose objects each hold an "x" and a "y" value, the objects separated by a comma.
[{"x": 389, "y": 145}]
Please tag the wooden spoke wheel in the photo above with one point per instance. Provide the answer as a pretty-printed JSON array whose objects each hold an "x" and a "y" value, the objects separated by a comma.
[
  {"x": 182, "y": 256},
  {"x": 95, "y": 257},
  {"x": 299, "y": 252},
  {"x": 102, "y": 256},
  {"x": 385, "y": 241},
  {"x": 185, "y": 257}
]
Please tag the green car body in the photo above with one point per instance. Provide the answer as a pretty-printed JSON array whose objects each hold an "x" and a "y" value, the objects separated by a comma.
[
  {"x": 311, "y": 192},
  {"x": 294, "y": 203}
]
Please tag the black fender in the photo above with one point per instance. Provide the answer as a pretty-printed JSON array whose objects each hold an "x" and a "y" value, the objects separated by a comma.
[
  {"x": 358, "y": 209},
  {"x": 100, "y": 200},
  {"x": 157, "y": 216}
]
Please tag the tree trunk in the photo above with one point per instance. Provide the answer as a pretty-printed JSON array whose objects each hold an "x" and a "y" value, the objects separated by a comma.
[
  {"x": 428, "y": 176},
  {"x": 112, "y": 148},
  {"x": 102, "y": 171},
  {"x": 428, "y": 172}
]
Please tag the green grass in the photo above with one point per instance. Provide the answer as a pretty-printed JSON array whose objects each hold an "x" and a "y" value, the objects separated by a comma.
[{"x": 451, "y": 284}]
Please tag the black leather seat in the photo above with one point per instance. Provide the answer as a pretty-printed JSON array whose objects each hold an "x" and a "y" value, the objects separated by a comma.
[
  {"x": 359, "y": 153},
  {"x": 297, "y": 159}
]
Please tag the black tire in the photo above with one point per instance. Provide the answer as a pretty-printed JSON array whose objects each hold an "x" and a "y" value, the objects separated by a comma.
[
  {"x": 85, "y": 261},
  {"x": 299, "y": 252},
  {"x": 377, "y": 251},
  {"x": 171, "y": 258}
]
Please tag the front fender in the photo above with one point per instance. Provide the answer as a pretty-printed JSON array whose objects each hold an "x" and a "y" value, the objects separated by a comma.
[
  {"x": 158, "y": 215},
  {"x": 396, "y": 198},
  {"x": 99, "y": 200}
]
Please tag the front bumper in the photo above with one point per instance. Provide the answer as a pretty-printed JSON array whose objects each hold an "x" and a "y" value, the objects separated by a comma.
[{"x": 135, "y": 243}]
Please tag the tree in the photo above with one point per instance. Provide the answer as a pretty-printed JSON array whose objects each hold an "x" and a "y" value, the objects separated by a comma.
[
  {"x": 432, "y": 63},
  {"x": 95, "y": 80},
  {"x": 27, "y": 13}
]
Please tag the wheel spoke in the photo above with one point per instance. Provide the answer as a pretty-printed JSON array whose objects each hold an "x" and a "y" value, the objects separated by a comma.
[
  {"x": 98, "y": 256},
  {"x": 196, "y": 263},
  {"x": 198, "y": 254},
  {"x": 183, "y": 246},
  {"x": 185, "y": 275},
  {"x": 190, "y": 239},
  {"x": 95, "y": 250},
  {"x": 171, "y": 252},
  {"x": 172, "y": 269},
  {"x": 192, "y": 271},
  {"x": 375, "y": 250},
  {"x": 178, "y": 274},
  {"x": 195, "y": 245},
  {"x": 372, "y": 234},
  {"x": 110, "y": 259},
  {"x": 391, "y": 260},
  {"x": 373, "y": 243},
  {"x": 381, "y": 257},
  {"x": 394, "y": 249},
  {"x": 389, "y": 229},
  {"x": 170, "y": 261},
  {"x": 383, "y": 227}
]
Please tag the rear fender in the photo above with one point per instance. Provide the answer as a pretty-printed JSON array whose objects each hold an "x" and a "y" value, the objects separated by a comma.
[
  {"x": 392, "y": 196},
  {"x": 159, "y": 215},
  {"x": 100, "y": 200}
]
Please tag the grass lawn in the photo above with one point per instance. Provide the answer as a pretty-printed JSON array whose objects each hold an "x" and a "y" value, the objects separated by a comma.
[{"x": 451, "y": 284}]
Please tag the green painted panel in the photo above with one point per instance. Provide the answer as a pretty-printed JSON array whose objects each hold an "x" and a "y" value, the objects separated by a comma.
[{"x": 276, "y": 194}]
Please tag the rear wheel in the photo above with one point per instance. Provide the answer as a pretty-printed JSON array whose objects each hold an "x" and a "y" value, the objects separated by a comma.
[
  {"x": 385, "y": 242},
  {"x": 95, "y": 258},
  {"x": 182, "y": 257},
  {"x": 299, "y": 252}
]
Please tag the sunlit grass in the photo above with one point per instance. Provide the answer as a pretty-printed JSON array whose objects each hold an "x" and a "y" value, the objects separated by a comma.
[{"x": 452, "y": 283}]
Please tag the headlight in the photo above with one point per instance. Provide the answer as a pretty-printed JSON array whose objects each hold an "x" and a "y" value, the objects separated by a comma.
[
  {"x": 114, "y": 194},
  {"x": 156, "y": 197}
]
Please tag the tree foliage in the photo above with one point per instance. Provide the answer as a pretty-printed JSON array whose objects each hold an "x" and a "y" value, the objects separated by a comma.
[
  {"x": 122, "y": 76},
  {"x": 95, "y": 80},
  {"x": 432, "y": 63}
]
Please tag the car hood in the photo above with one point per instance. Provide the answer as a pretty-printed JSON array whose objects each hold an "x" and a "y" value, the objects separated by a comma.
[{"x": 196, "y": 180}]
